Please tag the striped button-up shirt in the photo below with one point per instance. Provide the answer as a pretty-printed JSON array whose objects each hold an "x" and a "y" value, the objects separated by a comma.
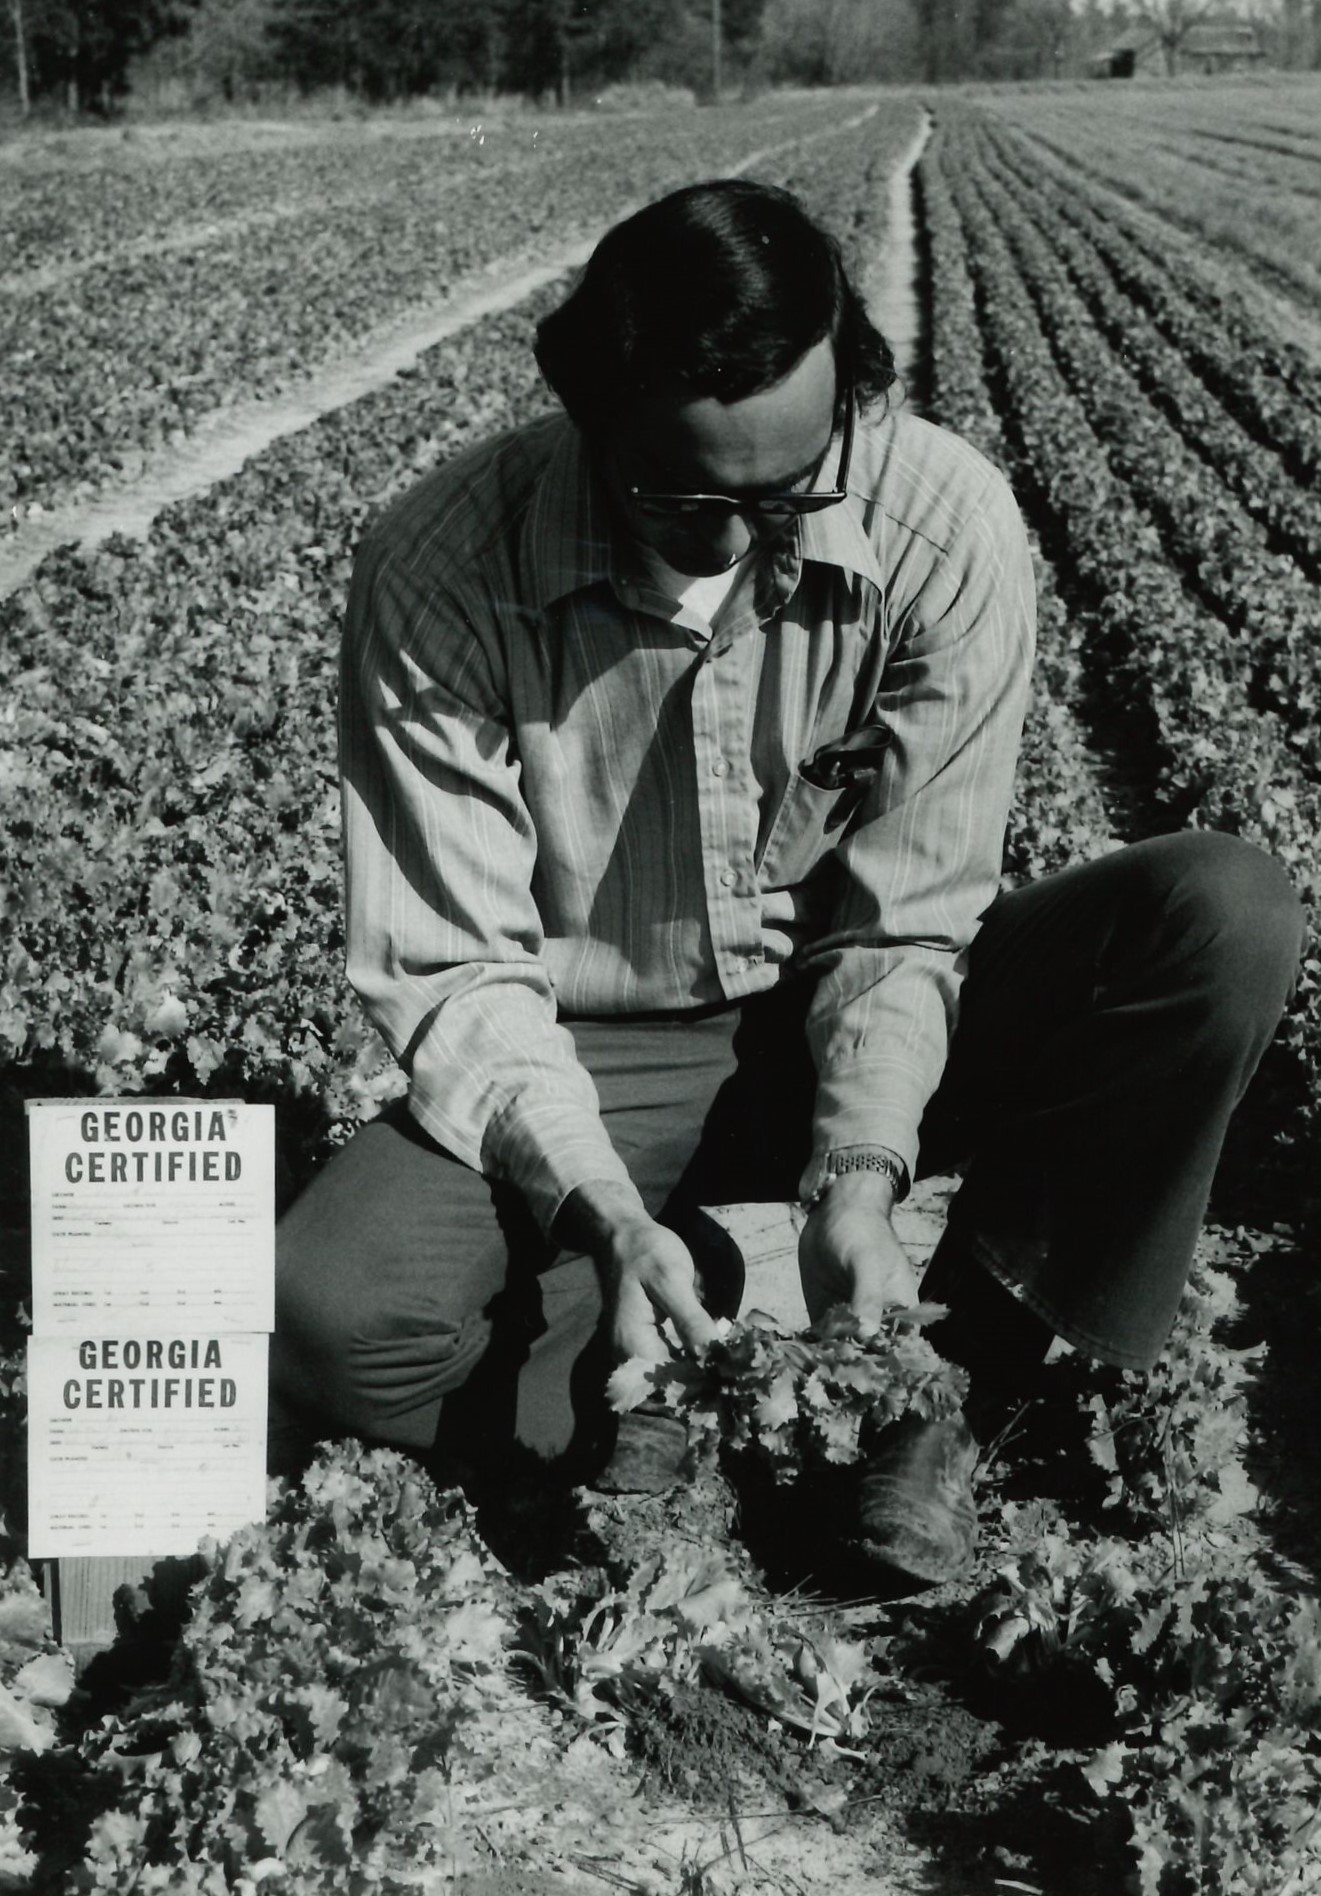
[{"x": 565, "y": 794}]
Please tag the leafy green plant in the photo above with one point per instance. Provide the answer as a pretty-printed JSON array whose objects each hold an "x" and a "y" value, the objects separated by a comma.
[
  {"x": 794, "y": 1402},
  {"x": 1222, "y": 1770},
  {"x": 36, "y": 1679},
  {"x": 1169, "y": 1441},
  {"x": 342, "y": 1711},
  {"x": 1214, "y": 1682},
  {"x": 339, "y": 1692},
  {"x": 679, "y": 1618}
]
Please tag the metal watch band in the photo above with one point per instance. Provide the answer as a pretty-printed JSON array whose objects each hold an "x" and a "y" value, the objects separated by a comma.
[{"x": 866, "y": 1159}]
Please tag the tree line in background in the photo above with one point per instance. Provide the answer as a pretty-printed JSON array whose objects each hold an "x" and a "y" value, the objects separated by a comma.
[{"x": 84, "y": 53}]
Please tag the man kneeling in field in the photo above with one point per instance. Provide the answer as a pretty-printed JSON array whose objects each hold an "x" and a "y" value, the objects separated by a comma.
[{"x": 678, "y": 733}]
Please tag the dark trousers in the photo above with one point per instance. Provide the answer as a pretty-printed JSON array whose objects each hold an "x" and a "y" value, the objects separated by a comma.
[{"x": 1110, "y": 1021}]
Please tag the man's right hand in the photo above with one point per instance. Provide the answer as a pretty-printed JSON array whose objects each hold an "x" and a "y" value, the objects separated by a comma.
[
  {"x": 848, "y": 1251},
  {"x": 647, "y": 1272}
]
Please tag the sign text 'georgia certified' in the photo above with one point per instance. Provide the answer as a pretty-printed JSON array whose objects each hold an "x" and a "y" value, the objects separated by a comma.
[{"x": 151, "y": 1211}]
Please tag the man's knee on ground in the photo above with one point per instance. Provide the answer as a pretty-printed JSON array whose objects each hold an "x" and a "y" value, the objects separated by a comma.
[{"x": 367, "y": 1367}]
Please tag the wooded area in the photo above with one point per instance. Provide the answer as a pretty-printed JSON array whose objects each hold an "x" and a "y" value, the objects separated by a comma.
[{"x": 83, "y": 54}]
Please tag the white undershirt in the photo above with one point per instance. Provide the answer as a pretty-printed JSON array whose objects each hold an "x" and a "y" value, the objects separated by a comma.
[{"x": 703, "y": 593}]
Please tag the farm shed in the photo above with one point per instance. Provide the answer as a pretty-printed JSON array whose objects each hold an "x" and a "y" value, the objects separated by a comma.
[{"x": 1211, "y": 46}]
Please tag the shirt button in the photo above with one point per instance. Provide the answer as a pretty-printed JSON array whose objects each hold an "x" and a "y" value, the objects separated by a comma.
[
  {"x": 720, "y": 768},
  {"x": 728, "y": 877}
]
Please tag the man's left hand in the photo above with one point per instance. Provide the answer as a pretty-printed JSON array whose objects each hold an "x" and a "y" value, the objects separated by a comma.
[{"x": 848, "y": 1251}]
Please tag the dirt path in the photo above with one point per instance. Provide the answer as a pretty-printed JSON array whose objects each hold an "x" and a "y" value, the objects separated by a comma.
[
  {"x": 228, "y": 438},
  {"x": 893, "y": 287}
]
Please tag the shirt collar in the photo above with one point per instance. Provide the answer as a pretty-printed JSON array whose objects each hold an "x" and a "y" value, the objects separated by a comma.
[
  {"x": 571, "y": 541},
  {"x": 837, "y": 537}
]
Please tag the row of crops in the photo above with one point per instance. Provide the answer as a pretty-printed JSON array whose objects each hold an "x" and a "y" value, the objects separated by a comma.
[
  {"x": 1167, "y": 453},
  {"x": 159, "y": 292},
  {"x": 1166, "y": 449},
  {"x": 170, "y": 882},
  {"x": 1235, "y": 164}
]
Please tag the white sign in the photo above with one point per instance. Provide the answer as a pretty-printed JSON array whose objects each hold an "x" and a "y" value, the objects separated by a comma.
[
  {"x": 156, "y": 1212},
  {"x": 153, "y": 1288},
  {"x": 141, "y": 1443}
]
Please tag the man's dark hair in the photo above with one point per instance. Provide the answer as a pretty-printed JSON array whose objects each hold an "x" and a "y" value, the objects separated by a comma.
[{"x": 720, "y": 288}]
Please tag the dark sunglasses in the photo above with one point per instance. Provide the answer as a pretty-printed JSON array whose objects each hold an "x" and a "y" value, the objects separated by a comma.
[{"x": 764, "y": 506}]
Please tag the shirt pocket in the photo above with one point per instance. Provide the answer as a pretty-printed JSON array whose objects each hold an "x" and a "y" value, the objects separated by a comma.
[{"x": 809, "y": 822}]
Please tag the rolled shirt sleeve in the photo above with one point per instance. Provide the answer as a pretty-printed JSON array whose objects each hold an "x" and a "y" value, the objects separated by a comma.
[
  {"x": 920, "y": 863},
  {"x": 444, "y": 938}
]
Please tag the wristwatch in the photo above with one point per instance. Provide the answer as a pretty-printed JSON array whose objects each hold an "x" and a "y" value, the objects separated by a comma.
[{"x": 865, "y": 1159}]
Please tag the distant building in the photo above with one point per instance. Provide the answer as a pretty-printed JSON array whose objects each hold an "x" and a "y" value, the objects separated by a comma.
[{"x": 1209, "y": 46}]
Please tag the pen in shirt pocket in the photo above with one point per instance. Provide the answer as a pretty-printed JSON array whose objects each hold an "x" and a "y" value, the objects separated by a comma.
[{"x": 847, "y": 761}]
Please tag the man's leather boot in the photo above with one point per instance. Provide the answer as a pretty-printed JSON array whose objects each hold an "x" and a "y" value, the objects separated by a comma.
[
  {"x": 915, "y": 1520},
  {"x": 648, "y": 1454}
]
